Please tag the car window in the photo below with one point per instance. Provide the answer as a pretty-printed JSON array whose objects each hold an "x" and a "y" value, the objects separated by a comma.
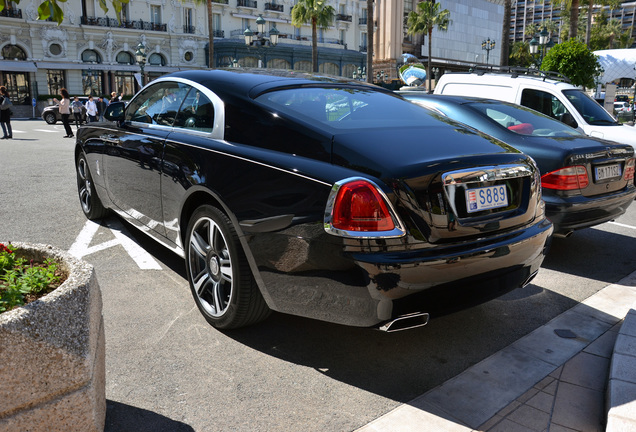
[
  {"x": 589, "y": 109},
  {"x": 346, "y": 108},
  {"x": 196, "y": 113},
  {"x": 522, "y": 120},
  {"x": 543, "y": 102},
  {"x": 157, "y": 104}
]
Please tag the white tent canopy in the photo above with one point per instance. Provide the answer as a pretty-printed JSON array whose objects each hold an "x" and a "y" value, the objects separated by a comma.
[{"x": 617, "y": 63}]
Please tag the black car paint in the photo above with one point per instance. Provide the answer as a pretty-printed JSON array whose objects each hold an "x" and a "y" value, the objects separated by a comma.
[
  {"x": 275, "y": 196},
  {"x": 566, "y": 210}
]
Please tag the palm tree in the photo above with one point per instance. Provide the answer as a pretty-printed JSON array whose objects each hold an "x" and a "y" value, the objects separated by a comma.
[
  {"x": 370, "y": 41},
  {"x": 505, "y": 33},
  {"x": 319, "y": 14},
  {"x": 428, "y": 16},
  {"x": 613, "y": 4}
]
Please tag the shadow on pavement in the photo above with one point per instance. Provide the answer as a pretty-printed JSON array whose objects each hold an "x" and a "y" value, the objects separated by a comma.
[{"x": 125, "y": 418}]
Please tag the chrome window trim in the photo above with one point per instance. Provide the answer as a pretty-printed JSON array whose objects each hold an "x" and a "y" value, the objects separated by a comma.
[{"x": 398, "y": 231}]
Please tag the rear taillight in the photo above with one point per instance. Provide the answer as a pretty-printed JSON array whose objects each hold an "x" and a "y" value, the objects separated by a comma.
[
  {"x": 570, "y": 178},
  {"x": 360, "y": 207},
  {"x": 629, "y": 169}
]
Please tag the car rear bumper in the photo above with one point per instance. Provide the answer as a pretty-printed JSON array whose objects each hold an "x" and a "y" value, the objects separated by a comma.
[
  {"x": 367, "y": 289},
  {"x": 572, "y": 213}
]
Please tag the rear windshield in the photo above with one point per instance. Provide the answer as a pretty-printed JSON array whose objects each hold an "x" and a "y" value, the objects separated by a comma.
[
  {"x": 523, "y": 121},
  {"x": 347, "y": 108}
]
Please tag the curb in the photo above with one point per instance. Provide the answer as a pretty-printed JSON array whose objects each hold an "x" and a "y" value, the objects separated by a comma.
[{"x": 621, "y": 388}]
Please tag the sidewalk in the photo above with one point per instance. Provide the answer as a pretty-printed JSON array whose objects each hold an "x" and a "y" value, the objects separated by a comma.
[{"x": 565, "y": 376}]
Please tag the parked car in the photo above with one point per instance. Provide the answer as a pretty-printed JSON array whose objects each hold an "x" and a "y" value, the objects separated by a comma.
[
  {"x": 586, "y": 181},
  {"x": 622, "y": 107},
  {"x": 621, "y": 98},
  {"x": 543, "y": 91},
  {"x": 315, "y": 196},
  {"x": 51, "y": 114}
]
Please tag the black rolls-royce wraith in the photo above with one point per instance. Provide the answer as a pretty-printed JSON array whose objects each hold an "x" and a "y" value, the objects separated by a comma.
[{"x": 315, "y": 196}]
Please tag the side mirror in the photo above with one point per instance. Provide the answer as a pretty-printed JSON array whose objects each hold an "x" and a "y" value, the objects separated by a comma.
[
  {"x": 569, "y": 120},
  {"x": 115, "y": 112}
]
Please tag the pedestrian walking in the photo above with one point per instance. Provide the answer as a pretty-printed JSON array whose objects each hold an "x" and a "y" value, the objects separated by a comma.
[
  {"x": 65, "y": 111},
  {"x": 91, "y": 109},
  {"x": 5, "y": 113},
  {"x": 76, "y": 105},
  {"x": 101, "y": 108},
  {"x": 113, "y": 97}
]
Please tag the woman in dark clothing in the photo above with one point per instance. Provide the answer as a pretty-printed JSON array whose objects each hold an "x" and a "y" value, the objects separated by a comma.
[
  {"x": 5, "y": 113},
  {"x": 65, "y": 111}
]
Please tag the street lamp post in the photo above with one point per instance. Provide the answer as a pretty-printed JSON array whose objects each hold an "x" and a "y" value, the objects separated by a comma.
[
  {"x": 381, "y": 76},
  {"x": 360, "y": 74},
  {"x": 258, "y": 38},
  {"x": 488, "y": 45},
  {"x": 140, "y": 56},
  {"x": 545, "y": 42}
]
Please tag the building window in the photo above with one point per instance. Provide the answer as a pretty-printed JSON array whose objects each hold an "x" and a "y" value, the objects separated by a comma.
[
  {"x": 90, "y": 56},
  {"x": 55, "y": 49},
  {"x": 91, "y": 82},
  {"x": 155, "y": 14},
  {"x": 13, "y": 52},
  {"x": 125, "y": 12},
  {"x": 125, "y": 83},
  {"x": 188, "y": 21},
  {"x": 216, "y": 23},
  {"x": 156, "y": 60},
  {"x": 125, "y": 58},
  {"x": 188, "y": 56},
  {"x": 55, "y": 80}
]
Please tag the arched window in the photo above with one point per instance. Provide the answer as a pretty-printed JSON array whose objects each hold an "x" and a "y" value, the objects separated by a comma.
[
  {"x": 91, "y": 56},
  {"x": 125, "y": 58},
  {"x": 278, "y": 64},
  {"x": 349, "y": 69},
  {"x": 156, "y": 60},
  {"x": 303, "y": 66},
  {"x": 329, "y": 68},
  {"x": 13, "y": 52}
]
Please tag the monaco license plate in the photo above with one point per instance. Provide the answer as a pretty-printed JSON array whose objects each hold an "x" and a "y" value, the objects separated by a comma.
[
  {"x": 486, "y": 198},
  {"x": 608, "y": 171}
]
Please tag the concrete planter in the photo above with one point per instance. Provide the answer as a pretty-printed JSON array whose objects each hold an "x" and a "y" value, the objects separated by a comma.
[{"x": 52, "y": 353}]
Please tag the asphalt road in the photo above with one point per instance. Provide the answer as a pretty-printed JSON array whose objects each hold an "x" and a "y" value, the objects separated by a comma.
[{"x": 168, "y": 370}]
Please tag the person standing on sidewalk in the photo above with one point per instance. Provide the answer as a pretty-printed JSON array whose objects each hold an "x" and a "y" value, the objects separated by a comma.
[
  {"x": 77, "y": 111},
  {"x": 101, "y": 108},
  {"x": 65, "y": 111},
  {"x": 91, "y": 109},
  {"x": 5, "y": 113}
]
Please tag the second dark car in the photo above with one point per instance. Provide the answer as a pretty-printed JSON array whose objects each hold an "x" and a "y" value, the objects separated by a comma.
[
  {"x": 51, "y": 114},
  {"x": 586, "y": 181},
  {"x": 315, "y": 196}
]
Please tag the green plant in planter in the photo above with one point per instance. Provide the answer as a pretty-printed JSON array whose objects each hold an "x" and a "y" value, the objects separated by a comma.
[{"x": 22, "y": 281}]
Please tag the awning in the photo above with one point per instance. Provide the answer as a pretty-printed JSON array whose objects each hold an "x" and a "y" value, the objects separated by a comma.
[{"x": 17, "y": 66}]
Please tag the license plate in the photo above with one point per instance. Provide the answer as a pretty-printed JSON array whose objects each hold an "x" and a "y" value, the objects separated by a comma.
[
  {"x": 486, "y": 198},
  {"x": 608, "y": 171}
]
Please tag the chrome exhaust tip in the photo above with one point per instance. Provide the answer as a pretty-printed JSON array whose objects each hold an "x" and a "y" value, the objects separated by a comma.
[
  {"x": 405, "y": 322},
  {"x": 529, "y": 279},
  {"x": 565, "y": 234}
]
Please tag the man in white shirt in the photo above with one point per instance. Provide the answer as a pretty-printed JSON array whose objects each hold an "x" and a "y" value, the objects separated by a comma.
[{"x": 91, "y": 109}]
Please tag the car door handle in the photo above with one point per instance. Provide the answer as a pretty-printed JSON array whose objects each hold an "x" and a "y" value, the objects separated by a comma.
[{"x": 112, "y": 139}]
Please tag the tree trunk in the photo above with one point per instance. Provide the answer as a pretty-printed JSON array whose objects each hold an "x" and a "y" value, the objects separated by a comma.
[
  {"x": 588, "y": 31},
  {"x": 428, "y": 69},
  {"x": 370, "y": 17},
  {"x": 505, "y": 34},
  {"x": 574, "y": 19},
  {"x": 211, "y": 64},
  {"x": 314, "y": 44}
]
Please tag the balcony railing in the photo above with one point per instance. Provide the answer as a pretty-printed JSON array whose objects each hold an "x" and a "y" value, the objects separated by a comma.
[
  {"x": 188, "y": 29},
  {"x": 112, "y": 22},
  {"x": 11, "y": 13},
  {"x": 363, "y": 48},
  {"x": 363, "y": 21},
  {"x": 247, "y": 3},
  {"x": 274, "y": 7},
  {"x": 343, "y": 17},
  {"x": 219, "y": 33},
  {"x": 220, "y": 1}
]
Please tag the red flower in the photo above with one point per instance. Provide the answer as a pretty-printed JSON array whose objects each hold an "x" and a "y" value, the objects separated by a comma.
[{"x": 4, "y": 248}]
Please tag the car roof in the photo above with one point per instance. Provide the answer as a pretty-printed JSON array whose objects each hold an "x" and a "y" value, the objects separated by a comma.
[
  {"x": 253, "y": 81},
  {"x": 453, "y": 98},
  {"x": 508, "y": 78}
]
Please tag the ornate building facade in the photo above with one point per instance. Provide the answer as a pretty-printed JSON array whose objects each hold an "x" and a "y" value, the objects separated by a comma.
[{"x": 94, "y": 53}]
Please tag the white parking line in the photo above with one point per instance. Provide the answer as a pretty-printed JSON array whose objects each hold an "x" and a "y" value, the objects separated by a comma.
[
  {"x": 623, "y": 225},
  {"x": 45, "y": 130}
]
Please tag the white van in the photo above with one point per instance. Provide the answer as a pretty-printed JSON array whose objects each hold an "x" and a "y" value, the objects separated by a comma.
[{"x": 543, "y": 92}]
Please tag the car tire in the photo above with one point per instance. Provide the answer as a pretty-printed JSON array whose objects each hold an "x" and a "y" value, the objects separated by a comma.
[
  {"x": 90, "y": 202},
  {"x": 50, "y": 118},
  {"x": 218, "y": 272}
]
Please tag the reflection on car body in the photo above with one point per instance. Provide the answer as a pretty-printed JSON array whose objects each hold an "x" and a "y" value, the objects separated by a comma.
[
  {"x": 586, "y": 181},
  {"x": 315, "y": 196}
]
